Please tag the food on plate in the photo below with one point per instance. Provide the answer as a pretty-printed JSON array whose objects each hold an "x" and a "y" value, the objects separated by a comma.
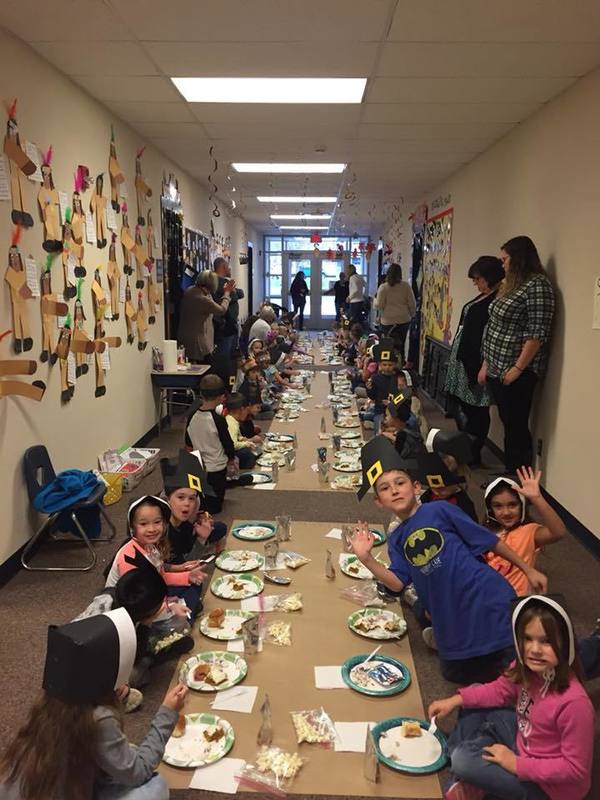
[
  {"x": 179, "y": 729},
  {"x": 281, "y": 764},
  {"x": 367, "y": 624},
  {"x": 255, "y": 531},
  {"x": 216, "y": 617},
  {"x": 392, "y": 625},
  {"x": 354, "y": 569},
  {"x": 346, "y": 481},
  {"x": 236, "y": 585},
  {"x": 201, "y": 672},
  {"x": 216, "y": 675},
  {"x": 411, "y": 729},
  {"x": 213, "y": 733},
  {"x": 375, "y": 675}
]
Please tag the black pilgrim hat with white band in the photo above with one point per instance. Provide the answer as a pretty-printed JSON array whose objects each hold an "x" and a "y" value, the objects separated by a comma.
[
  {"x": 503, "y": 480},
  {"x": 457, "y": 444},
  {"x": 165, "y": 508},
  {"x": 385, "y": 352},
  {"x": 88, "y": 659},
  {"x": 377, "y": 456},
  {"x": 399, "y": 405},
  {"x": 185, "y": 472}
]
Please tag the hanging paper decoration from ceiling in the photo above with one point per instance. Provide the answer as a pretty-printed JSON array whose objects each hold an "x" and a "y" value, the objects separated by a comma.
[
  {"x": 19, "y": 164},
  {"x": 316, "y": 238},
  {"x": 213, "y": 186}
]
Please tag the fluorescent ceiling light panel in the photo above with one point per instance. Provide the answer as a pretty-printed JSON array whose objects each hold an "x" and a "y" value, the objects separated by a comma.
[
  {"x": 303, "y": 227},
  {"x": 289, "y": 168},
  {"x": 310, "y": 199},
  {"x": 271, "y": 90},
  {"x": 300, "y": 216}
]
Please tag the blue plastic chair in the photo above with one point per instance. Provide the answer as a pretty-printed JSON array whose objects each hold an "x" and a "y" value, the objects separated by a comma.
[{"x": 39, "y": 472}]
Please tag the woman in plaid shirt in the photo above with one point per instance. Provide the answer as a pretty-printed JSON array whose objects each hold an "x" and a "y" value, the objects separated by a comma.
[{"x": 515, "y": 344}]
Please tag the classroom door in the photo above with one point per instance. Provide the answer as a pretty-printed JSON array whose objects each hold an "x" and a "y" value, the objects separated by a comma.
[{"x": 295, "y": 263}]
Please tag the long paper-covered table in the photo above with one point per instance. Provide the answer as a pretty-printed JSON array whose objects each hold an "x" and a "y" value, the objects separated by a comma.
[
  {"x": 307, "y": 429},
  {"x": 320, "y": 637}
]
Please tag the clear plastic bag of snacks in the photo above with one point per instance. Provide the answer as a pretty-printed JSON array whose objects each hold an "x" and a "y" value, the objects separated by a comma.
[
  {"x": 279, "y": 633},
  {"x": 363, "y": 594},
  {"x": 165, "y": 633},
  {"x": 289, "y": 602},
  {"x": 294, "y": 560},
  {"x": 273, "y": 771},
  {"x": 314, "y": 726}
]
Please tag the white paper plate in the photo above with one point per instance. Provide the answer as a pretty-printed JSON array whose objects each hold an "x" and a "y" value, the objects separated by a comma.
[{"x": 192, "y": 750}]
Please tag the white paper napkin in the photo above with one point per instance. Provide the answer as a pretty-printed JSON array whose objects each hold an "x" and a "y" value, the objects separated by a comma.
[
  {"x": 219, "y": 777},
  {"x": 351, "y": 736},
  {"x": 238, "y": 698},
  {"x": 334, "y": 533},
  {"x": 329, "y": 678}
]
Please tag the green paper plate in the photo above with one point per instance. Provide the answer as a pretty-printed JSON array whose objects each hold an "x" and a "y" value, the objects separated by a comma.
[
  {"x": 256, "y": 563},
  {"x": 434, "y": 766},
  {"x": 347, "y": 560},
  {"x": 396, "y": 688},
  {"x": 377, "y": 633},
  {"x": 234, "y": 665},
  {"x": 380, "y": 537},
  {"x": 232, "y": 622},
  {"x": 183, "y": 751},
  {"x": 348, "y": 434},
  {"x": 259, "y": 477},
  {"x": 253, "y": 585},
  {"x": 238, "y": 531}
]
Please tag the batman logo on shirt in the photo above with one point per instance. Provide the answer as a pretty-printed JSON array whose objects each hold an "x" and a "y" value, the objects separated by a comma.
[{"x": 422, "y": 545}]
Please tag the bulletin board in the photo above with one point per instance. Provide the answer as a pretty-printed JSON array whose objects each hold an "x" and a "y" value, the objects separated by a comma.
[
  {"x": 195, "y": 255},
  {"x": 436, "y": 305}
]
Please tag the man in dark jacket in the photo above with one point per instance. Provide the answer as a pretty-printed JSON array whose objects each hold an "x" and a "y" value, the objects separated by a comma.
[{"x": 226, "y": 327}]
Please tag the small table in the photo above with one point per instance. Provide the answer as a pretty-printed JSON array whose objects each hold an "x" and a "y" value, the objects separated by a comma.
[{"x": 182, "y": 380}]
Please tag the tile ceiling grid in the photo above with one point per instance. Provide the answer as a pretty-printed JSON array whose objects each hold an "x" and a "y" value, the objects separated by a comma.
[{"x": 445, "y": 81}]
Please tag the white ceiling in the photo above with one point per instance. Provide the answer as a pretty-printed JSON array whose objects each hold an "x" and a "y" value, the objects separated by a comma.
[{"x": 445, "y": 81}]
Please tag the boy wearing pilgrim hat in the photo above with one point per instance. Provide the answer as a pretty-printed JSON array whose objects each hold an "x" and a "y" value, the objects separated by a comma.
[
  {"x": 438, "y": 548},
  {"x": 439, "y": 461},
  {"x": 384, "y": 384}
]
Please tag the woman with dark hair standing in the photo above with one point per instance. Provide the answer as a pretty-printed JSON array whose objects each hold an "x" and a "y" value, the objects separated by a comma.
[
  {"x": 515, "y": 344},
  {"x": 396, "y": 305},
  {"x": 465, "y": 357},
  {"x": 299, "y": 292}
]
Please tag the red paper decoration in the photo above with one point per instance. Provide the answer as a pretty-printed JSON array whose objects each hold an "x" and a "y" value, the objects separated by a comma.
[{"x": 315, "y": 238}]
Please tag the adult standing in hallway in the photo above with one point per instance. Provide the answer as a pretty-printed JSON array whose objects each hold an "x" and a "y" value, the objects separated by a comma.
[
  {"x": 226, "y": 325},
  {"x": 299, "y": 292},
  {"x": 340, "y": 292},
  {"x": 356, "y": 295},
  {"x": 396, "y": 304},
  {"x": 515, "y": 344},
  {"x": 465, "y": 357},
  {"x": 196, "y": 331}
]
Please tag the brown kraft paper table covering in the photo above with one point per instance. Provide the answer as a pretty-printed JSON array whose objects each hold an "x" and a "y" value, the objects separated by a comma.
[
  {"x": 320, "y": 637},
  {"x": 307, "y": 428}
]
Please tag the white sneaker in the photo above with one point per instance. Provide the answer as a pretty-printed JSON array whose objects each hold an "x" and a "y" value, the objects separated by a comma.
[
  {"x": 132, "y": 701},
  {"x": 429, "y": 638}
]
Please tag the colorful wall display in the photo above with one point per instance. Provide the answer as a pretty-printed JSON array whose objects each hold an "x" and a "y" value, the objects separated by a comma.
[{"x": 436, "y": 305}]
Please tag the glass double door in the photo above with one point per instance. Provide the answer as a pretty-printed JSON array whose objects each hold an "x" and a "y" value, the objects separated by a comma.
[{"x": 320, "y": 273}]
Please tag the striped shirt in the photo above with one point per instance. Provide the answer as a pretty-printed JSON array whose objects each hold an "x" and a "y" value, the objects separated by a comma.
[{"x": 525, "y": 313}]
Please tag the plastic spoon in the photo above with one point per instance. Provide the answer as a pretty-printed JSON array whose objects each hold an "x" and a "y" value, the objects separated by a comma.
[
  {"x": 432, "y": 725},
  {"x": 368, "y": 658}
]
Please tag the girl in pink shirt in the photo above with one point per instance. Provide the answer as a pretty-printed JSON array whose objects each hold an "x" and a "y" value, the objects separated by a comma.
[{"x": 528, "y": 735}]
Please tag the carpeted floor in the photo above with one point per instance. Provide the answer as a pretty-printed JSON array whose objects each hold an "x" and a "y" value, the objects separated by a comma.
[{"x": 32, "y": 601}]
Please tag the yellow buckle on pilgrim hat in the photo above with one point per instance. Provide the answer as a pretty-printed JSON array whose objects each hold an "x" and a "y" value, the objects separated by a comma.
[
  {"x": 435, "y": 481},
  {"x": 231, "y": 380},
  {"x": 398, "y": 399},
  {"x": 374, "y": 472},
  {"x": 194, "y": 482},
  {"x": 386, "y": 355}
]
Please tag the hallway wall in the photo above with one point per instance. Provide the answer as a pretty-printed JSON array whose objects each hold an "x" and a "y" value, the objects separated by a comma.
[
  {"x": 541, "y": 180},
  {"x": 52, "y": 110}
]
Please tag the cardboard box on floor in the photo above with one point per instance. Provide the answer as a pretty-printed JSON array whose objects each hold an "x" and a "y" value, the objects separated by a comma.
[{"x": 320, "y": 637}]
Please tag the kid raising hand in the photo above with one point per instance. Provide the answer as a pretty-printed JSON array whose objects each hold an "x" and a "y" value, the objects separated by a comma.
[
  {"x": 362, "y": 540},
  {"x": 530, "y": 483}
]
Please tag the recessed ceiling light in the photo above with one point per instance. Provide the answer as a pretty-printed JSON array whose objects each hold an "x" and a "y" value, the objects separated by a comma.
[
  {"x": 312, "y": 199},
  {"x": 295, "y": 168},
  {"x": 300, "y": 216},
  {"x": 303, "y": 227},
  {"x": 271, "y": 90}
]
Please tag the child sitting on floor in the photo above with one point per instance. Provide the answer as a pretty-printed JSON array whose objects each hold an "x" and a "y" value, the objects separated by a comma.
[
  {"x": 506, "y": 515},
  {"x": 72, "y": 745},
  {"x": 238, "y": 410},
  {"x": 529, "y": 735},
  {"x": 408, "y": 443},
  {"x": 208, "y": 433},
  {"x": 383, "y": 385},
  {"x": 438, "y": 548},
  {"x": 192, "y": 532}
]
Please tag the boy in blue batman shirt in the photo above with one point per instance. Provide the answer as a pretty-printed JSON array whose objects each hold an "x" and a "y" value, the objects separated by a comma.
[{"x": 438, "y": 548}]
